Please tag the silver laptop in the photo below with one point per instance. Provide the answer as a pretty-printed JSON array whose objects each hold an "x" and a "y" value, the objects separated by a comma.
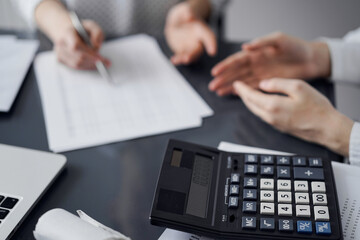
[{"x": 25, "y": 176}]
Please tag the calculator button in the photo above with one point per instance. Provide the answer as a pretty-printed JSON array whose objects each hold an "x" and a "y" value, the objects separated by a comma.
[
  {"x": 319, "y": 199},
  {"x": 267, "y": 170},
  {"x": 303, "y": 211},
  {"x": 321, "y": 213},
  {"x": 3, "y": 213},
  {"x": 235, "y": 178},
  {"x": 285, "y": 210},
  {"x": 267, "y": 208},
  {"x": 233, "y": 202},
  {"x": 266, "y": 196},
  {"x": 283, "y": 185},
  {"x": 248, "y": 222},
  {"x": 284, "y": 197},
  {"x": 267, "y": 159},
  {"x": 318, "y": 187},
  {"x": 323, "y": 228},
  {"x": 250, "y": 182},
  {"x": 283, "y": 172},
  {"x": 286, "y": 225},
  {"x": 283, "y": 160},
  {"x": 308, "y": 173},
  {"x": 250, "y": 169},
  {"x": 249, "y": 207},
  {"x": 302, "y": 198},
  {"x": 267, "y": 184},
  {"x": 267, "y": 224},
  {"x": 250, "y": 158},
  {"x": 299, "y": 161},
  {"x": 301, "y": 186},
  {"x": 234, "y": 189},
  {"x": 304, "y": 227},
  {"x": 315, "y": 162},
  {"x": 250, "y": 194}
]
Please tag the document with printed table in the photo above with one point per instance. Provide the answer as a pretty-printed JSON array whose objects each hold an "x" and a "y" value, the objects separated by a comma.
[
  {"x": 346, "y": 176},
  {"x": 151, "y": 97}
]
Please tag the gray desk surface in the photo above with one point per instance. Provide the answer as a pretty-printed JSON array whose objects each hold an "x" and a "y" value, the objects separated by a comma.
[{"x": 114, "y": 183}]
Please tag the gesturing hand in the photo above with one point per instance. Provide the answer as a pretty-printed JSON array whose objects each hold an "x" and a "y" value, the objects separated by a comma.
[
  {"x": 275, "y": 55},
  {"x": 303, "y": 112},
  {"x": 188, "y": 35},
  {"x": 73, "y": 52}
]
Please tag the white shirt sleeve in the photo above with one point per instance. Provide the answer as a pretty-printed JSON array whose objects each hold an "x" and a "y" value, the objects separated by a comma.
[
  {"x": 354, "y": 149},
  {"x": 345, "y": 57},
  {"x": 26, "y": 9}
]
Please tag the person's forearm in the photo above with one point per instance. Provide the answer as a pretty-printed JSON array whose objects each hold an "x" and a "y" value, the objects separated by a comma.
[
  {"x": 201, "y": 8},
  {"x": 52, "y": 18},
  {"x": 321, "y": 60}
]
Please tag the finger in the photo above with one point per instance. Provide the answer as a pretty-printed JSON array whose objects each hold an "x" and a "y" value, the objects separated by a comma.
[
  {"x": 239, "y": 59},
  {"x": 207, "y": 38},
  {"x": 225, "y": 90},
  {"x": 229, "y": 77},
  {"x": 95, "y": 32},
  {"x": 266, "y": 41},
  {"x": 290, "y": 87}
]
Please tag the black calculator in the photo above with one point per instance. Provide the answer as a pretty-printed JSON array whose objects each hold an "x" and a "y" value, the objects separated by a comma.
[{"x": 224, "y": 195}]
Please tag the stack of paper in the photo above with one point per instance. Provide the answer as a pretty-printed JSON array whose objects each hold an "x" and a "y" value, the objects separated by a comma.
[
  {"x": 82, "y": 109},
  {"x": 15, "y": 58}
]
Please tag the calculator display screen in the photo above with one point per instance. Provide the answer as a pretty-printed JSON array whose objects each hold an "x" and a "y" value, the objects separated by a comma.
[{"x": 200, "y": 186}]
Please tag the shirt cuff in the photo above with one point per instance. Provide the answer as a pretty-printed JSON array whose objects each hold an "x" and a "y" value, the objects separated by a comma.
[
  {"x": 354, "y": 149},
  {"x": 26, "y": 8}
]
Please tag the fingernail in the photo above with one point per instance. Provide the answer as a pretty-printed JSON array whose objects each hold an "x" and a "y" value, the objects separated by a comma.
[{"x": 211, "y": 85}]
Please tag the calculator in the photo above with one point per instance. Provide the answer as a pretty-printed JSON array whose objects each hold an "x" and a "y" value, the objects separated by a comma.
[{"x": 224, "y": 195}]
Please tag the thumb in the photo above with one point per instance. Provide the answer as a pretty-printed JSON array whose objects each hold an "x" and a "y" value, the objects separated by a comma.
[
  {"x": 290, "y": 87},
  {"x": 271, "y": 40},
  {"x": 95, "y": 32}
]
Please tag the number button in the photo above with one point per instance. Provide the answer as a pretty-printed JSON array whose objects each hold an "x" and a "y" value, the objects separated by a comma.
[
  {"x": 301, "y": 186},
  {"x": 267, "y": 208},
  {"x": 283, "y": 172},
  {"x": 285, "y": 210},
  {"x": 266, "y": 196},
  {"x": 286, "y": 225},
  {"x": 318, "y": 187},
  {"x": 250, "y": 194},
  {"x": 284, "y": 185},
  {"x": 302, "y": 198},
  {"x": 284, "y": 197},
  {"x": 267, "y": 183},
  {"x": 321, "y": 213},
  {"x": 319, "y": 199},
  {"x": 303, "y": 211}
]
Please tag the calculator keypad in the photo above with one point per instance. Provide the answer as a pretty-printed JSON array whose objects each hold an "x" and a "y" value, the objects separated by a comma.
[{"x": 281, "y": 193}]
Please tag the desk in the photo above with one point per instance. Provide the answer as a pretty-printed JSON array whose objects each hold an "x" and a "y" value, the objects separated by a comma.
[{"x": 114, "y": 183}]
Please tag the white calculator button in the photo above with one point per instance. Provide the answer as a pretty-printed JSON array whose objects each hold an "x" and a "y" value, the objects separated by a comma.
[
  {"x": 284, "y": 197},
  {"x": 301, "y": 186},
  {"x": 283, "y": 185},
  {"x": 285, "y": 210},
  {"x": 302, "y": 198},
  {"x": 267, "y": 208},
  {"x": 266, "y": 196},
  {"x": 318, "y": 187},
  {"x": 267, "y": 184},
  {"x": 321, "y": 213},
  {"x": 303, "y": 211},
  {"x": 319, "y": 199}
]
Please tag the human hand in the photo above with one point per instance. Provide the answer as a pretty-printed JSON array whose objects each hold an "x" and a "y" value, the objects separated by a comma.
[
  {"x": 73, "y": 52},
  {"x": 303, "y": 112},
  {"x": 275, "y": 55},
  {"x": 188, "y": 35}
]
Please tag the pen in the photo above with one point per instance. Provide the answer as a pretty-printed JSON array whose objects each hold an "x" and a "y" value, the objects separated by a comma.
[{"x": 85, "y": 37}]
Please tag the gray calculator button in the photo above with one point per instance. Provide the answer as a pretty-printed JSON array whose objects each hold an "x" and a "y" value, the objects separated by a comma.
[
  {"x": 267, "y": 159},
  {"x": 286, "y": 225},
  {"x": 248, "y": 222},
  {"x": 283, "y": 172},
  {"x": 233, "y": 202},
  {"x": 250, "y": 194},
  {"x": 249, "y": 207},
  {"x": 250, "y": 158},
  {"x": 250, "y": 182},
  {"x": 235, "y": 178},
  {"x": 299, "y": 161},
  {"x": 308, "y": 173},
  {"x": 267, "y": 224},
  {"x": 315, "y": 162},
  {"x": 267, "y": 170},
  {"x": 250, "y": 169},
  {"x": 234, "y": 189},
  {"x": 283, "y": 160}
]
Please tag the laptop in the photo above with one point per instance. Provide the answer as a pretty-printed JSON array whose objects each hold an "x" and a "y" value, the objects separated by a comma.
[{"x": 26, "y": 174}]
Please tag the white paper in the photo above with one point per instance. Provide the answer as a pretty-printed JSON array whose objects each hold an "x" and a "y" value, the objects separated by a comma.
[
  {"x": 15, "y": 59},
  {"x": 151, "y": 97},
  {"x": 58, "y": 224}
]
